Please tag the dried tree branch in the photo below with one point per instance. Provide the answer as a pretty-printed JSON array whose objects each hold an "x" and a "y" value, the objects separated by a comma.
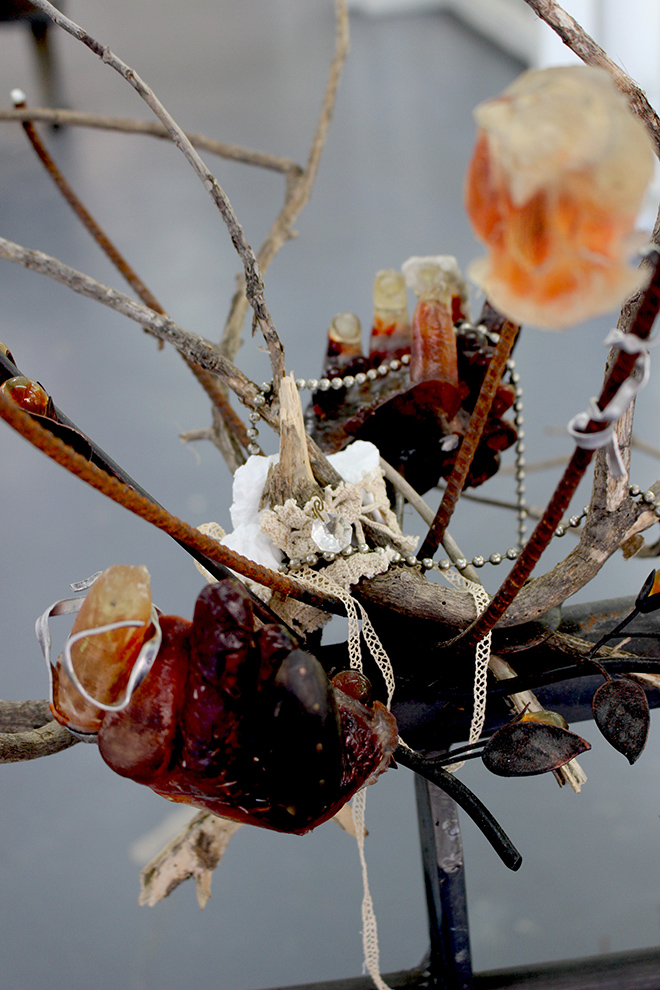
[
  {"x": 195, "y": 852},
  {"x": 32, "y": 744},
  {"x": 19, "y": 716},
  {"x": 576, "y": 38},
  {"x": 150, "y": 128},
  {"x": 299, "y": 186},
  {"x": 253, "y": 282},
  {"x": 198, "y": 350},
  {"x": 230, "y": 432}
]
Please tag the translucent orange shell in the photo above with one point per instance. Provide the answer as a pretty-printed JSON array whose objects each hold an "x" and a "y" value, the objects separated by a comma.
[
  {"x": 556, "y": 180},
  {"x": 103, "y": 662}
]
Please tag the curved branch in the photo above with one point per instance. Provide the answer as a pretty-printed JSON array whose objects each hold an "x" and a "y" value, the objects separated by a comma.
[
  {"x": 16, "y": 747},
  {"x": 299, "y": 186},
  {"x": 125, "y": 125},
  {"x": 253, "y": 283}
]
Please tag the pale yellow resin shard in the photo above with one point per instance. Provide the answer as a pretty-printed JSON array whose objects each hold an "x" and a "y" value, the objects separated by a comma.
[{"x": 558, "y": 175}]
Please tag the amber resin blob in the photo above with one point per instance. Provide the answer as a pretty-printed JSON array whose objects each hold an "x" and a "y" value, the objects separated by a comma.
[{"x": 556, "y": 181}]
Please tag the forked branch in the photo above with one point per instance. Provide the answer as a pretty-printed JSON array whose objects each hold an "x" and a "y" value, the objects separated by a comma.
[{"x": 253, "y": 283}]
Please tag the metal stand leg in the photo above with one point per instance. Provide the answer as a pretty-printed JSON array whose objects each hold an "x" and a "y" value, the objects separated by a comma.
[{"x": 444, "y": 879}]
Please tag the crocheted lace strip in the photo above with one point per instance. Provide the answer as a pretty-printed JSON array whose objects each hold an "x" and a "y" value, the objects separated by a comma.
[
  {"x": 481, "y": 659},
  {"x": 369, "y": 926}
]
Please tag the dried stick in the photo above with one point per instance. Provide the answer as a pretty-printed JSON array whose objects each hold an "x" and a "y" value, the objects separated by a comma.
[
  {"x": 572, "y": 772},
  {"x": 426, "y": 513},
  {"x": 20, "y": 716},
  {"x": 139, "y": 504},
  {"x": 253, "y": 283},
  {"x": 16, "y": 747},
  {"x": 198, "y": 350},
  {"x": 576, "y": 38},
  {"x": 234, "y": 426},
  {"x": 150, "y": 128},
  {"x": 458, "y": 476},
  {"x": 195, "y": 852},
  {"x": 299, "y": 186}
]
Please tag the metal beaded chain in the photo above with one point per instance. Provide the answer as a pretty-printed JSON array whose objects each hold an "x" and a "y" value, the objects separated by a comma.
[{"x": 396, "y": 365}]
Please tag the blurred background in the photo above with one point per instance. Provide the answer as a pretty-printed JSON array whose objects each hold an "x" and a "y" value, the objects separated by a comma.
[{"x": 284, "y": 910}]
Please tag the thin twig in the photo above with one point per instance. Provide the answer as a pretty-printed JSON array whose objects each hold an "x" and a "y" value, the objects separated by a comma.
[
  {"x": 299, "y": 186},
  {"x": 209, "y": 382},
  {"x": 253, "y": 283},
  {"x": 584, "y": 46},
  {"x": 198, "y": 350},
  {"x": 474, "y": 432},
  {"x": 426, "y": 513},
  {"x": 150, "y": 128}
]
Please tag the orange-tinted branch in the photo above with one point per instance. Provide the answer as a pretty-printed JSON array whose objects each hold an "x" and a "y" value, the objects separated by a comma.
[
  {"x": 572, "y": 476},
  {"x": 473, "y": 435},
  {"x": 139, "y": 504}
]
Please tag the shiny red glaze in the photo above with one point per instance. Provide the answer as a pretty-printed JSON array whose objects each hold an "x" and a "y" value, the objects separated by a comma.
[
  {"x": 141, "y": 741},
  {"x": 238, "y": 722}
]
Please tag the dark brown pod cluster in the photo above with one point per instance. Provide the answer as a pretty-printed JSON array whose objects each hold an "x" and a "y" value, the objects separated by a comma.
[
  {"x": 238, "y": 721},
  {"x": 418, "y": 428}
]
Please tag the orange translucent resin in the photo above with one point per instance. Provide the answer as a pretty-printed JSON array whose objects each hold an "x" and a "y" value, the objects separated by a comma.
[
  {"x": 103, "y": 662},
  {"x": 557, "y": 178}
]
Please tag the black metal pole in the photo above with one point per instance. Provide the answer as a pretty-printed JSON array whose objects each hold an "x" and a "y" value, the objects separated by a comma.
[{"x": 444, "y": 879}]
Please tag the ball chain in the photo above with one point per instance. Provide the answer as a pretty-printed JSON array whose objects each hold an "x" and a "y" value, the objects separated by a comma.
[{"x": 410, "y": 560}]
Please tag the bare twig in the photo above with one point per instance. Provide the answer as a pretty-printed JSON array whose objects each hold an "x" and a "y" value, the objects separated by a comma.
[
  {"x": 584, "y": 46},
  {"x": 150, "y": 128},
  {"x": 299, "y": 186},
  {"x": 198, "y": 350},
  {"x": 253, "y": 283},
  {"x": 230, "y": 430}
]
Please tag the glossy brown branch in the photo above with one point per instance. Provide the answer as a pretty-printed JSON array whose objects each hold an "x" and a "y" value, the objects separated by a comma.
[
  {"x": 139, "y": 504},
  {"x": 572, "y": 476},
  {"x": 458, "y": 476}
]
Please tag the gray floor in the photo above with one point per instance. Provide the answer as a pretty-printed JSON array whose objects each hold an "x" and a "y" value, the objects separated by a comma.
[{"x": 284, "y": 910}]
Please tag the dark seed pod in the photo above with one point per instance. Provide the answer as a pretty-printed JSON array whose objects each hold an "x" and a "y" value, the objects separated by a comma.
[
  {"x": 621, "y": 712},
  {"x": 648, "y": 600},
  {"x": 522, "y": 749}
]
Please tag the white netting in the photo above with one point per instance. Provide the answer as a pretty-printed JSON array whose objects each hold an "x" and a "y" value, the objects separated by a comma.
[{"x": 481, "y": 658}]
